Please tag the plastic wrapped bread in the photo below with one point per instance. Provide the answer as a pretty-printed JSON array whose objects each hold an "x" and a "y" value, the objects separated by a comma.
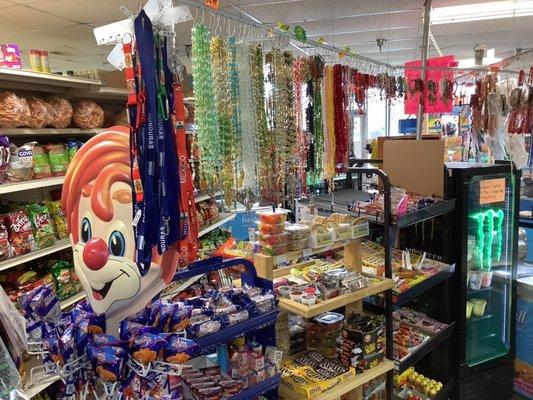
[
  {"x": 61, "y": 112},
  {"x": 14, "y": 111},
  {"x": 41, "y": 113},
  {"x": 88, "y": 115}
]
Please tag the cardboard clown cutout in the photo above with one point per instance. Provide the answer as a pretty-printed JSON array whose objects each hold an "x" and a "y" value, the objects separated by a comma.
[{"x": 97, "y": 201}]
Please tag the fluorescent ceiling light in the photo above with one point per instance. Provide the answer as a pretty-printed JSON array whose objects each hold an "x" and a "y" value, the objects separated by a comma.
[{"x": 482, "y": 11}]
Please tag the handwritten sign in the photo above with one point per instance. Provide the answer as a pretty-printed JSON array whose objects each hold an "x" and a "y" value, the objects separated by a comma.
[
  {"x": 492, "y": 191},
  {"x": 211, "y": 4}
]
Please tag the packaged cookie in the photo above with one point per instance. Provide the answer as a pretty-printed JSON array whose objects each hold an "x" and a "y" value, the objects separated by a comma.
[
  {"x": 59, "y": 160},
  {"x": 19, "y": 232},
  {"x": 180, "y": 318},
  {"x": 108, "y": 362},
  {"x": 100, "y": 340},
  {"x": 41, "y": 221},
  {"x": 147, "y": 347},
  {"x": 58, "y": 218},
  {"x": 97, "y": 323},
  {"x": 178, "y": 350}
]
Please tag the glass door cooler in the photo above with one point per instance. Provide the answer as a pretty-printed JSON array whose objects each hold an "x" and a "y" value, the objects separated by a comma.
[{"x": 485, "y": 241}]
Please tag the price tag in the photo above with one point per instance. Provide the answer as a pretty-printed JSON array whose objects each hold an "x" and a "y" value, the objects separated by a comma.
[
  {"x": 492, "y": 191},
  {"x": 211, "y": 4}
]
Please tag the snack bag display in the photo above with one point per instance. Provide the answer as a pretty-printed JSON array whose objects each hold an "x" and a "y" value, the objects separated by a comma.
[
  {"x": 20, "y": 163},
  {"x": 59, "y": 220},
  {"x": 40, "y": 113},
  {"x": 14, "y": 111},
  {"x": 59, "y": 160},
  {"x": 61, "y": 112},
  {"x": 19, "y": 232},
  {"x": 41, "y": 162},
  {"x": 88, "y": 115},
  {"x": 43, "y": 228}
]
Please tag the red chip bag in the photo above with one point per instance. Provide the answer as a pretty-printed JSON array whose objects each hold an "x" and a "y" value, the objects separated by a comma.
[
  {"x": 20, "y": 232},
  {"x": 4, "y": 242}
]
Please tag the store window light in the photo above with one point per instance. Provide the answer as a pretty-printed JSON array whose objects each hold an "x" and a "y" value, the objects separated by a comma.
[
  {"x": 489, "y": 59},
  {"x": 481, "y": 11}
]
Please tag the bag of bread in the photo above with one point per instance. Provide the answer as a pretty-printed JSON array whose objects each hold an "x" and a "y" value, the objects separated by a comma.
[
  {"x": 61, "y": 112},
  {"x": 88, "y": 115},
  {"x": 41, "y": 113},
  {"x": 14, "y": 111}
]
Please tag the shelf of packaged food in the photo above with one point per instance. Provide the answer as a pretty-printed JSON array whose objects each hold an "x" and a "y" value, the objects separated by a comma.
[
  {"x": 424, "y": 285},
  {"x": 12, "y": 262},
  {"x": 203, "y": 197},
  {"x": 222, "y": 219},
  {"x": 424, "y": 349},
  {"x": 72, "y": 300},
  {"x": 309, "y": 311},
  {"x": 28, "y": 185},
  {"x": 473, "y": 320},
  {"x": 443, "y": 394},
  {"x": 34, "y": 133},
  {"x": 258, "y": 389},
  {"x": 295, "y": 255},
  {"x": 182, "y": 286},
  {"x": 208, "y": 342},
  {"x": 345, "y": 387},
  {"x": 101, "y": 93},
  {"x": 417, "y": 216},
  {"x": 36, "y": 80}
]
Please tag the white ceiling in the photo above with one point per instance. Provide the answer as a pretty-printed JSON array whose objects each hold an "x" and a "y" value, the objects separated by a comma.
[{"x": 64, "y": 27}]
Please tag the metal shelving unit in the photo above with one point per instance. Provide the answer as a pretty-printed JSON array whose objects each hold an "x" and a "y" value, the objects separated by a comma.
[
  {"x": 13, "y": 262},
  {"x": 33, "y": 184}
]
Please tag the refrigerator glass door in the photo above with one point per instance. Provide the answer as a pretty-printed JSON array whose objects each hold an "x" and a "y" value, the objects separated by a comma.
[{"x": 489, "y": 264}]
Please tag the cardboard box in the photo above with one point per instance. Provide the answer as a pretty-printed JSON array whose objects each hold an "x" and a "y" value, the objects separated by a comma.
[{"x": 114, "y": 79}]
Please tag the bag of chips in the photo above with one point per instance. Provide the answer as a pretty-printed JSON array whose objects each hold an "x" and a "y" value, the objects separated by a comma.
[
  {"x": 73, "y": 146},
  {"x": 61, "y": 112},
  {"x": 41, "y": 113},
  {"x": 66, "y": 281},
  {"x": 20, "y": 232},
  {"x": 88, "y": 115},
  {"x": 4, "y": 242},
  {"x": 60, "y": 222},
  {"x": 14, "y": 111},
  {"x": 41, "y": 221},
  {"x": 41, "y": 163},
  {"x": 5, "y": 155},
  {"x": 58, "y": 156},
  {"x": 20, "y": 163}
]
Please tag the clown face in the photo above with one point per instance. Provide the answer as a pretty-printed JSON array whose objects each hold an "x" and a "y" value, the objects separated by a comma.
[{"x": 104, "y": 253}]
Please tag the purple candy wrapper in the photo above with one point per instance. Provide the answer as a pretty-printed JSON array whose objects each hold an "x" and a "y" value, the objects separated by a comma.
[
  {"x": 147, "y": 347},
  {"x": 108, "y": 362}
]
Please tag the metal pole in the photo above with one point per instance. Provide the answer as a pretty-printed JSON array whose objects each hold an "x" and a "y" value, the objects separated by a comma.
[
  {"x": 387, "y": 117},
  {"x": 425, "y": 45}
]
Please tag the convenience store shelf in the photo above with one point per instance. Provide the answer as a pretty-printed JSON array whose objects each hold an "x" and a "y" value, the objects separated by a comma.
[
  {"x": 344, "y": 387},
  {"x": 309, "y": 311},
  {"x": 222, "y": 219},
  {"x": 424, "y": 349},
  {"x": 72, "y": 300},
  {"x": 206, "y": 343},
  {"x": 34, "y": 133},
  {"x": 426, "y": 284},
  {"x": 101, "y": 93},
  {"x": 443, "y": 394},
  {"x": 258, "y": 389},
  {"x": 12, "y": 262},
  {"x": 38, "y": 80},
  {"x": 28, "y": 185}
]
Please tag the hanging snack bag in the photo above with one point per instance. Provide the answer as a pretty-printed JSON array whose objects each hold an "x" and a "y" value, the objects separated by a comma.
[
  {"x": 66, "y": 281},
  {"x": 43, "y": 228},
  {"x": 5, "y": 155},
  {"x": 59, "y": 220},
  {"x": 88, "y": 115},
  {"x": 61, "y": 112},
  {"x": 20, "y": 232},
  {"x": 20, "y": 164},
  {"x": 41, "y": 162},
  {"x": 57, "y": 153}
]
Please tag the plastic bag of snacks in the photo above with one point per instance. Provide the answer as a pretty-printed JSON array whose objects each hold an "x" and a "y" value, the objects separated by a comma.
[
  {"x": 43, "y": 228},
  {"x": 61, "y": 112},
  {"x": 20, "y": 232},
  {"x": 5, "y": 155},
  {"x": 41, "y": 162},
  {"x": 59, "y": 160},
  {"x": 60, "y": 222},
  {"x": 4, "y": 242},
  {"x": 88, "y": 115},
  {"x": 73, "y": 146},
  {"x": 40, "y": 113},
  {"x": 120, "y": 118},
  {"x": 66, "y": 281},
  {"x": 14, "y": 111},
  {"x": 20, "y": 163}
]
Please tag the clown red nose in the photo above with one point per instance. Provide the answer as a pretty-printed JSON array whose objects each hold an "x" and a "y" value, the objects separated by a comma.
[{"x": 95, "y": 254}]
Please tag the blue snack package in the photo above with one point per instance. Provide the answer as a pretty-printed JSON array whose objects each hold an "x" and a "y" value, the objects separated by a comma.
[
  {"x": 100, "y": 340},
  {"x": 96, "y": 323},
  {"x": 35, "y": 331},
  {"x": 130, "y": 388},
  {"x": 147, "y": 347},
  {"x": 108, "y": 362},
  {"x": 128, "y": 329},
  {"x": 178, "y": 350},
  {"x": 82, "y": 336},
  {"x": 51, "y": 344},
  {"x": 167, "y": 310},
  {"x": 66, "y": 345},
  {"x": 153, "y": 313},
  {"x": 43, "y": 304},
  {"x": 181, "y": 318},
  {"x": 139, "y": 317}
]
